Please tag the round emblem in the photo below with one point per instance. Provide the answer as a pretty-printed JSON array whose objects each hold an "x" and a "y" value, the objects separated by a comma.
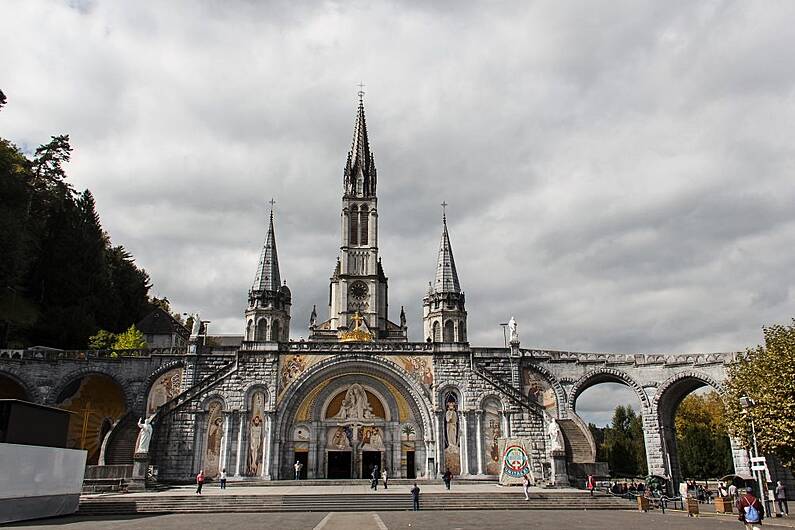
[{"x": 515, "y": 461}]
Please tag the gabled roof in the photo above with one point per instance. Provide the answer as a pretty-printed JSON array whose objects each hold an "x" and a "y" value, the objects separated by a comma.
[{"x": 160, "y": 322}]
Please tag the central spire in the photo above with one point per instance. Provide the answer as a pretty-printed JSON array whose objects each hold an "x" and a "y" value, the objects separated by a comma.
[
  {"x": 446, "y": 273},
  {"x": 360, "y": 174}
]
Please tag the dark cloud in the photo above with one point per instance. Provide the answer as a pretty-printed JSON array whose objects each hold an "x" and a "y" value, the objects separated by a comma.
[{"x": 619, "y": 173}]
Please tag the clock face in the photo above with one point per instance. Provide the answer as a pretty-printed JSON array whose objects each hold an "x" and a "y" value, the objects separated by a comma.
[{"x": 358, "y": 291}]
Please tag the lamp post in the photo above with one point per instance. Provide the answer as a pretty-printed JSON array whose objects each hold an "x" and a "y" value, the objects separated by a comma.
[
  {"x": 747, "y": 404},
  {"x": 504, "y": 334}
]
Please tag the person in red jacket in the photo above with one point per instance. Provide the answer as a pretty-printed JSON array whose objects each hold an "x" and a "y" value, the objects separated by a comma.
[
  {"x": 590, "y": 484},
  {"x": 199, "y": 482},
  {"x": 751, "y": 510}
]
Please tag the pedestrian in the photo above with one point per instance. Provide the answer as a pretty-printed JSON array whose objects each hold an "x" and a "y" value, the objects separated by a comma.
[
  {"x": 374, "y": 478},
  {"x": 298, "y": 465},
  {"x": 733, "y": 491},
  {"x": 384, "y": 476},
  {"x": 590, "y": 484},
  {"x": 199, "y": 482},
  {"x": 750, "y": 510},
  {"x": 781, "y": 499},
  {"x": 223, "y": 479},
  {"x": 447, "y": 478},
  {"x": 415, "y": 497},
  {"x": 526, "y": 487}
]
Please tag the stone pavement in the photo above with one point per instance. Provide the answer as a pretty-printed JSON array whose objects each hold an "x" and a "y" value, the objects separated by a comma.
[{"x": 471, "y": 520}]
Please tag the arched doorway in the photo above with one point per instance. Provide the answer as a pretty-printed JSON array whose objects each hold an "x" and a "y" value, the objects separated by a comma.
[
  {"x": 97, "y": 403},
  {"x": 10, "y": 388},
  {"x": 695, "y": 443},
  {"x": 345, "y": 418}
]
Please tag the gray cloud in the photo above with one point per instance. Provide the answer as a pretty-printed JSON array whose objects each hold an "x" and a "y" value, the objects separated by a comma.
[{"x": 619, "y": 173}]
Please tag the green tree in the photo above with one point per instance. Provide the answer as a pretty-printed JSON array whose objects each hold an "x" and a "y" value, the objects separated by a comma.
[
  {"x": 132, "y": 339},
  {"x": 766, "y": 374},
  {"x": 621, "y": 444},
  {"x": 102, "y": 340},
  {"x": 701, "y": 437}
]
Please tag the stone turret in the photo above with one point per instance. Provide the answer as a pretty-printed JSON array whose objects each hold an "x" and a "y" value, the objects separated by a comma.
[
  {"x": 444, "y": 313},
  {"x": 268, "y": 310}
]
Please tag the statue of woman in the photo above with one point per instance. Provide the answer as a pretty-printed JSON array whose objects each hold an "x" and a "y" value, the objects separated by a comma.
[
  {"x": 512, "y": 328},
  {"x": 145, "y": 436},
  {"x": 451, "y": 422},
  {"x": 555, "y": 436},
  {"x": 255, "y": 446}
]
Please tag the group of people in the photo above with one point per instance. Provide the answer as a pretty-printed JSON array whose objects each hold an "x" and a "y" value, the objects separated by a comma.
[
  {"x": 375, "y": 475},
  {"x": 200, "y": 481}
]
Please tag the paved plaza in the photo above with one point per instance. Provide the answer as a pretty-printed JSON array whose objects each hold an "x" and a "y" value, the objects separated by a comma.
[{"x": 505, "y": 520}]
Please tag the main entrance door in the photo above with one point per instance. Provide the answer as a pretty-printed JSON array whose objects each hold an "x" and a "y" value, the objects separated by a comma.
[
  {"x": 303, "y": 457},
  {"x": 370, "y": 459},
  {"x": 339, "y": 464},
  {"x": 410, "y": 471}
]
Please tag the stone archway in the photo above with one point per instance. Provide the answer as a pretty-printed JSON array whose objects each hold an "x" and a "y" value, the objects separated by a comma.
[
  {"x": 606, "y": 375},
  {"x": 336, "y": 430},
  {"x": 12, "y": 387},
  {"x": 666, "y": 401}
]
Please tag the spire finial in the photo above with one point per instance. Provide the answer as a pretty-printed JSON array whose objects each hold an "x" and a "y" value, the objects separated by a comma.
[
  {"x": 444, "y": 210},
  {"x": 361, "y": 86},
  {"x": 271, "y": 202}
]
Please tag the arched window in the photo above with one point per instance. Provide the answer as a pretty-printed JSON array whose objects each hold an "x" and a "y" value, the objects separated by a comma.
[
  {"x": 262, "y": 329},
  {"x": 250, "y": 330},
  {"x": 437, "y": 334},
  {"x": 275, "y": 331},
  {"x": 353, "y": 238},
  {"x": 364, "y": 223},
  {"x": 449, "y": 331}
]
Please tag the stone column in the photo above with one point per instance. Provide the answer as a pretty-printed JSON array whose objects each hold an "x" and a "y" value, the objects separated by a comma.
[
  {"x": 464, "y": 437},
  {"x": 506, "y": 424},
  {"x": 656, "y": 455},
  {"x": 438, "y": 424},
  {"x": 266, "y": 454},
  {"x": 479, "y": 429},
  {"x": 242, "y": 419}
]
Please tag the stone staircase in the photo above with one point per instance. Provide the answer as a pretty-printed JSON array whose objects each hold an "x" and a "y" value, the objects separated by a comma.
[
  {"x": 121, "y": 442},
  {"x": 578, "y": 446},
  {"x": 231, "y": 502}
]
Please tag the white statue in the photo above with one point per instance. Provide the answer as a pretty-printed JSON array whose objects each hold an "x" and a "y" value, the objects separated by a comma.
[
  {"x": 555, "y": 436},
  {"x": 355, "y": 405},
  {"x": 145, "y": 436},
  {"x": 197, "y": 324},
  {"x": 451, "y": 420},
  {"x": 512, "y": 328}
]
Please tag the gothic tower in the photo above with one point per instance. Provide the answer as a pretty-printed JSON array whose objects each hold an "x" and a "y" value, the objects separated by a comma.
[
  {"x": 444, "y": 315},
  {"x": 358, "y": 283},
  {"x": 268, "y": 311}
]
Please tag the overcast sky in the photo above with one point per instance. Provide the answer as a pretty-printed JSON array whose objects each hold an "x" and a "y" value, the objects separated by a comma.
[{"x": 619, "y": 174}]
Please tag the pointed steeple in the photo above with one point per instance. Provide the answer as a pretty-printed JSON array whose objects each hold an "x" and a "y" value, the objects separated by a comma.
[
  {"x": 268, "y": 277},
  {"x": 446, "y": 273},
  {"x": 360, "y": 174}
]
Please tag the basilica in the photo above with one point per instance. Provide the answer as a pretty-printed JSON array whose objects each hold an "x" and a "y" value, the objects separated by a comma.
[{"x": 357, "y": 393}]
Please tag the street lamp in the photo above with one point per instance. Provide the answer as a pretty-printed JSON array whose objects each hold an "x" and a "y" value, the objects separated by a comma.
[
  {"x": 504, "y": 334},
  {"x": 747, "y": 404}
]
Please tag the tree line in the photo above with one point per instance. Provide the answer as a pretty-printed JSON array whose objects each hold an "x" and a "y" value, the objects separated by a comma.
[{"x": 61, "y": 278}]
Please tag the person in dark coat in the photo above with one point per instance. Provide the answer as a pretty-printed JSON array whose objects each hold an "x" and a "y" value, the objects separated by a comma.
[
  {"x": 374, "y": 477},
  {"x": 415, "y": 497},
  {"x": 447, "y": 478}
]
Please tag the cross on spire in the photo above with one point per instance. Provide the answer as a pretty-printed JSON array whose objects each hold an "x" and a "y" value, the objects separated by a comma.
[
  {"x": 361, "y": 86},
  {"x": 271, "y": 202},
  {"x": 444, "y": 210}
]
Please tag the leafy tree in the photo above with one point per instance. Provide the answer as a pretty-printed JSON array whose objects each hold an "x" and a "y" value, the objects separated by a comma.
[
  {"x": 621, "y": 444},
  {"x": 132, "y": 339},
  {"x": 102, "y": 340},
  {"x": 766, "y": 374},
  {"x": 701, "y": 437}
]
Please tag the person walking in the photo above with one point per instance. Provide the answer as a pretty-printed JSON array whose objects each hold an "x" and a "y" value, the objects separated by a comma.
[
  {"x": 199, "y": 482},
  {"x": 385, "y": 476},
  {"x": 526, "y": 487},
  {"x": 750, "y": 510},
  {"x": 223, "y": 479},
  {"x": 374, "y": 479},
  {"x": 733, "y": 491},
  {"x": 447, "y": 478},
  {"x": 781, "y": 499},
  {"x": 590, "y": 484},
  {"x": 415, "y": 497},
  {"x": 298, "y": 465}
]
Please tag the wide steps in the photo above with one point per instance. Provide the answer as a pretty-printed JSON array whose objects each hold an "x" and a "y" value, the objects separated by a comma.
[{"x": 223, "y": 503}]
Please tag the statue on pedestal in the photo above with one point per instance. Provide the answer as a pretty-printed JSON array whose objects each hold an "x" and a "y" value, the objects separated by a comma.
[
  {"x": 197, "y": 324},
  {"x": 555, "y": 436},
  {"x": 512, "y": 328},
  {"x": 145, "y": 436}
]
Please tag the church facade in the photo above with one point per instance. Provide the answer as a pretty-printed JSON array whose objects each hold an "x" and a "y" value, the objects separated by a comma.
[{"x": 357, "y": 393}]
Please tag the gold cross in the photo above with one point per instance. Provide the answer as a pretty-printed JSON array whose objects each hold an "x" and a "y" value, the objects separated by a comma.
[{"x": 357, "y": 319}]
